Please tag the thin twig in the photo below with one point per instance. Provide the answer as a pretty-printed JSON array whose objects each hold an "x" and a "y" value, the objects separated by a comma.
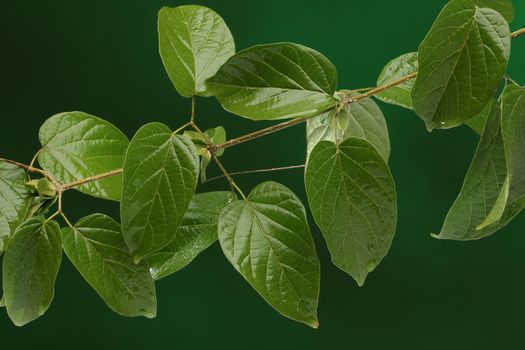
[
  {"x": 31, "y": 169},
  {"x": 518, "y": 33},
  {"x": 268, "y": 170},
  {"x": 258, "y": 133},
  {"x": 228, "y": 177},
  {"x": 91, "y": 179}
]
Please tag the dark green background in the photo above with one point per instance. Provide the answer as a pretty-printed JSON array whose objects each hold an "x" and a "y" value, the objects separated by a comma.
[{"x": 101, "y": 57}]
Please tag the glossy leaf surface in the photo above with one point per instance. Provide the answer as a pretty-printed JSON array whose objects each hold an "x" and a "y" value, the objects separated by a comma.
[
  {"x": 194, "y": 43},
  {"x": 353, "y": 200},
  {"x": 30, "y": 268},
  {"x": 276, "y": 81},
  {"x": 267, "y": 239},
  {"x": 196, "y": 233},
  {"x": 160, "y": 177},
  {"x": 461, "y": 63},
  {"x": 95, "y": 245},
  {"x": 76, "y": 145}
]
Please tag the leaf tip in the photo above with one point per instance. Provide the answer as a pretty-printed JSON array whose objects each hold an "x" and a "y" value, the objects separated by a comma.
[
  {"x": 436, "y": 235},
  {"x": 315, "y": 324}
]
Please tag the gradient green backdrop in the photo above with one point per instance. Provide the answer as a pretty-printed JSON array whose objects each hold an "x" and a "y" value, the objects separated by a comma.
[{"x": 101, "y": 57}]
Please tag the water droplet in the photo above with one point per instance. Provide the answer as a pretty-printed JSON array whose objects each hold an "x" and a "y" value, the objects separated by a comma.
[
  {"x": 153, "y": 271},
  {"x": 230, "y": 197},
  {"x": 442, "y": 123}
]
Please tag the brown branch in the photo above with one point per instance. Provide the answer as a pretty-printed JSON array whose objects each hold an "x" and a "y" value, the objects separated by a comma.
[
  {"x": 31, "y": 169},
  {"x": 91, "y": 179},
  {"x": 518, "y": 33}
]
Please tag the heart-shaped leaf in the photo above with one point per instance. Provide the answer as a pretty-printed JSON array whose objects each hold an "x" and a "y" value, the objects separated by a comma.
[
  {"x": 461, "y": 63},
  {"x": 481, "y": 188},
  {"x": 361, "y": 119},
  {"x": 194, "y": 42},
  {"x": 276, "y": 81},
  {"x": 15, "y": 200},
  {"x": 353, "y": 200},
  {"x": 396, "y": 69},
  {"x": 196, "y": 233},
  {"x": 30, "y": 269},
  {"x": 77, "y": 145},
  {"x": 95, "y": 245},
  {"x": 267, "y": 239},
  {"x": 160, "y": 177}
]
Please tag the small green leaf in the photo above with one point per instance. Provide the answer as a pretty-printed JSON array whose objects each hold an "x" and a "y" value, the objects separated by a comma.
[
  {"x": 396, "y": 69},
  {"x": 513, "y": 132},
  {"x": 481, "y": 188},
  {"x": 15, "y": 200},
  {"x": 160, "y": 177},
  {"x": 77, "y": 145},
  {"x": 95, "y": 245},
  {"x": 196, "y": 233},
  {"x": 353, "y": 200},
  {"x": 276, "y": 81},
  {"x": 267, "y": 239},
  {"x": 461, "y": 64},
  {"x": 361, "y": 119},
  {"x": 46, "y": 188},
  {"x": 194, "y": 42},
  {"x": 504, "y": 7},
  {"x": 30, "y": 269}
]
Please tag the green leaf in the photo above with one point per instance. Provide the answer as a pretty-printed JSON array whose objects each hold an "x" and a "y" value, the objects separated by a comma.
[
  {"x": 353, "y": 200},
  {"x": 77, "y": 145},
  {"x": 513, "y": 133},
  {"x": 2, "y": 302},
  {"x": 504, "y": 7},
  {"x": 95, "y": 245},
  {"x": 478, "y": 123},
  {"x": 267, "y": 239},
  {"x": 481, "y": 188},
  {"x": 461, "y": 64},
  {"x": 276, "y": 81},
  {"x": 30, "y": 269},
  {"x": 196, "y": 233},
  {"x": 361, "y": 119},
  {"x": 160, "y": 177},
  {"x": 394, "y": 70},
  {"x": 194, "y": 42},
  {"x": 15, "y": 200}
]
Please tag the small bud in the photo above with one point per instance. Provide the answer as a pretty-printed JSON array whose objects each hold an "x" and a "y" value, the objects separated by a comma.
[{"x": 46, "y": 188}]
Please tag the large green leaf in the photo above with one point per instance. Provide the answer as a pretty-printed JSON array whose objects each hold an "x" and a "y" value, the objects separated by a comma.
[
  {"x": 95, "y": 245},
  {"x": 15, "y": 200},
  {"x": 396, "y": 69},
  {"x": 30, "y": 268},
  {"x": 276, "y": 81},
  {"x": 194, "y": 42},
  {"x": 353, "y": 200},
  {"x": 160, "y": 177},
  {"x": 77, "y": 145},
  {"x": 481, "y": 188},
  {"x": 513, "y": 133},
  {"x": 504, "y": 7},
  {"x": 362, "y": 119},
  {"x": 196, "y": 233},
  {"x": 267, "y": 239},
  {"x": 461, "y": 63}
]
